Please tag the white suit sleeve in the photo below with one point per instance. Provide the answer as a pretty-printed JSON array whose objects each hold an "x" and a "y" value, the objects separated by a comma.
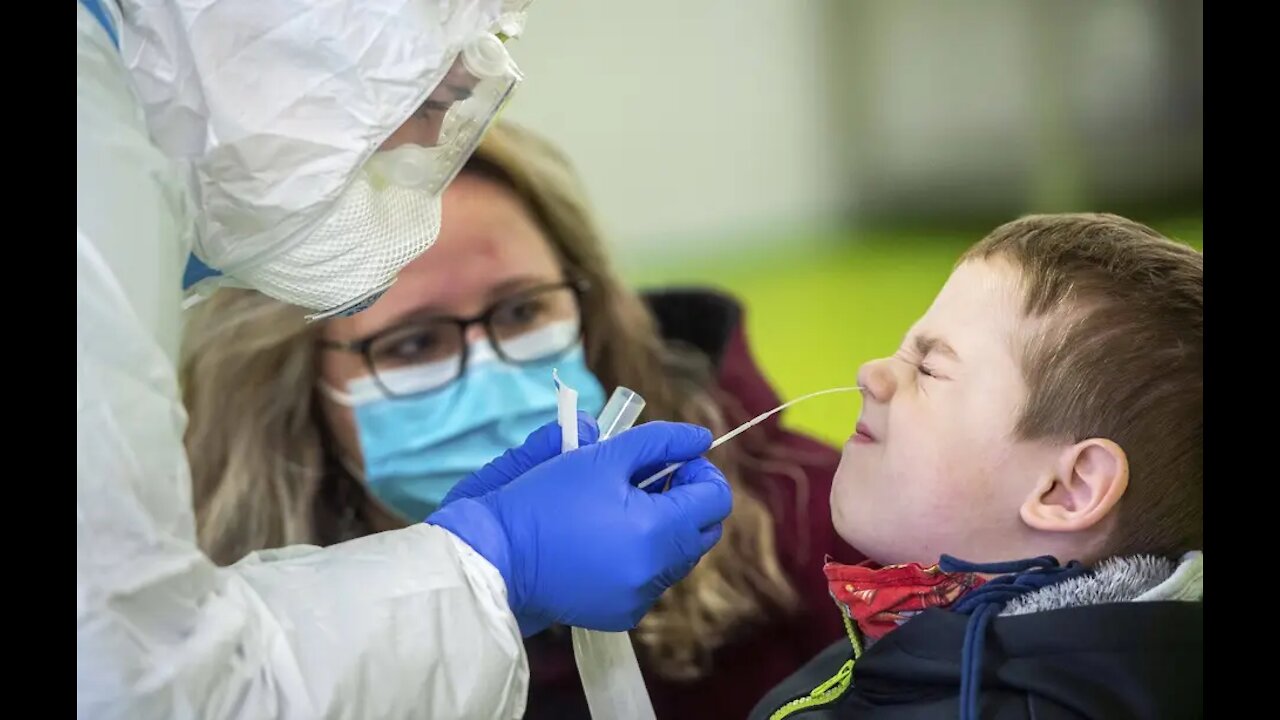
[{"x": 409, "y": 623}]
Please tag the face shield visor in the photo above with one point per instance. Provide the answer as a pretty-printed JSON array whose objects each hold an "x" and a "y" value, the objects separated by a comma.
[{"x": 428, "y": 151}]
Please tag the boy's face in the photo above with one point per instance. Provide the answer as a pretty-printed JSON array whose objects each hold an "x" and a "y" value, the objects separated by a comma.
[{"x": 934, "y": 466}]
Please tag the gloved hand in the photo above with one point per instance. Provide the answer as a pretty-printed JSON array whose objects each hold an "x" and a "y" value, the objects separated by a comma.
[
  {"x": 578, "y": 544},
  {"x": 541, "y": 445}
]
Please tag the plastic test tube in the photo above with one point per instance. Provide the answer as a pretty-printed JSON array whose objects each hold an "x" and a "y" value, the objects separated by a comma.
[{"x": 620, "y": 413}]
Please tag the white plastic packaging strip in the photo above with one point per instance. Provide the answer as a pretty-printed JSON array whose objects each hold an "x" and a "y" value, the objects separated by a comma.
[{"x": 606, "y": 661}]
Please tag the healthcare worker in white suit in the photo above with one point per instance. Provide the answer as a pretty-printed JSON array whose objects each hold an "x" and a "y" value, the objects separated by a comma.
[{"x": 300, "y": 147}]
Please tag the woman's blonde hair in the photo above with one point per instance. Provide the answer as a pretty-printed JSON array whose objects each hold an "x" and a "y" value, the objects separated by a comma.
[{"x": 266, "y": 472}]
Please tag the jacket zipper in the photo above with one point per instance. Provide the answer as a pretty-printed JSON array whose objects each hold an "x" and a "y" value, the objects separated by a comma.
[{"x": 832, "y": 688}]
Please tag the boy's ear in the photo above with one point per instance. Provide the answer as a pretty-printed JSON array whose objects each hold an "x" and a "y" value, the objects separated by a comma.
[{"x": 1087, "y": 482}]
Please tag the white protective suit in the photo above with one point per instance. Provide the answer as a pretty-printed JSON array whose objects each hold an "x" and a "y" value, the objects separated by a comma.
[{"x": 410, "y": 623}]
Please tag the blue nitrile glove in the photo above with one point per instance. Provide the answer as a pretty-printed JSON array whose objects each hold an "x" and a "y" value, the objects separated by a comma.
[
  {"x": 541, "y": 445},
  {"x": 578, "y": 544}
]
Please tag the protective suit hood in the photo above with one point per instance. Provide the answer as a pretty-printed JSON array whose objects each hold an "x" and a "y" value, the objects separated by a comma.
[{"x": 272, "y": 108}]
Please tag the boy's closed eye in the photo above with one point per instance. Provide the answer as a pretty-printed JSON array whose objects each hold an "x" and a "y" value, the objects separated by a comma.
[
  {"x": 919, "y": 363},
  {"x": 925, "y": 346}
]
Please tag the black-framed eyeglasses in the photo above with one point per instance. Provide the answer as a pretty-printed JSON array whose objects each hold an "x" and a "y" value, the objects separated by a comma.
[{"x": 527, "y": 327}]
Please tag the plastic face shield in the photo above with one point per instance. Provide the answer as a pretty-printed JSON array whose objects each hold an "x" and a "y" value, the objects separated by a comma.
[{"x": 429, "y": 150}]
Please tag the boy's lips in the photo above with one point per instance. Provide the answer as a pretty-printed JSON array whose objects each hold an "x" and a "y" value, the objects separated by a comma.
[{"x": 862, "y": 434}]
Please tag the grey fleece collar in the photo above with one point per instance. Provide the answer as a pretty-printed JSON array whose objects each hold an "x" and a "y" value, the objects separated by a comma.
[{"x": 1136, "y": 578}]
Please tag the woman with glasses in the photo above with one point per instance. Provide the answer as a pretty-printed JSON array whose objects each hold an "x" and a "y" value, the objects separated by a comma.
[{"x": 318, "y": 433}]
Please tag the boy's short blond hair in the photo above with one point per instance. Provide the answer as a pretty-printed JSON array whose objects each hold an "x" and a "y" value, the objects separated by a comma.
[{"x": 1120, "y": 355}]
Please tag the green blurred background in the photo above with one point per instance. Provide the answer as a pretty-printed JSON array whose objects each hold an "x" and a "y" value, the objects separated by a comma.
[{"x": 827, "y": 160}]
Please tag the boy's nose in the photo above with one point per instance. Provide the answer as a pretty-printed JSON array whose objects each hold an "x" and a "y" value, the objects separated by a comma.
[{"x": 877, "y": 380}]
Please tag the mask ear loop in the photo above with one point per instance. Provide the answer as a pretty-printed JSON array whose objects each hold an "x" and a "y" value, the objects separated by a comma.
[
  {"x": 743, "y": 428},
  {"x": 333, "y": 394},
  {"x": 343, "y": 398}
]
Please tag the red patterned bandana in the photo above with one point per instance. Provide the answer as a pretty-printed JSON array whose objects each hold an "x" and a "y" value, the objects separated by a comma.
[{"x": 880, "y": 599}]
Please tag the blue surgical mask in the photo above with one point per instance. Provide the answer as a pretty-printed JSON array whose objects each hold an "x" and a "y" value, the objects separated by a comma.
[{"x": 417, "y": 448}]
